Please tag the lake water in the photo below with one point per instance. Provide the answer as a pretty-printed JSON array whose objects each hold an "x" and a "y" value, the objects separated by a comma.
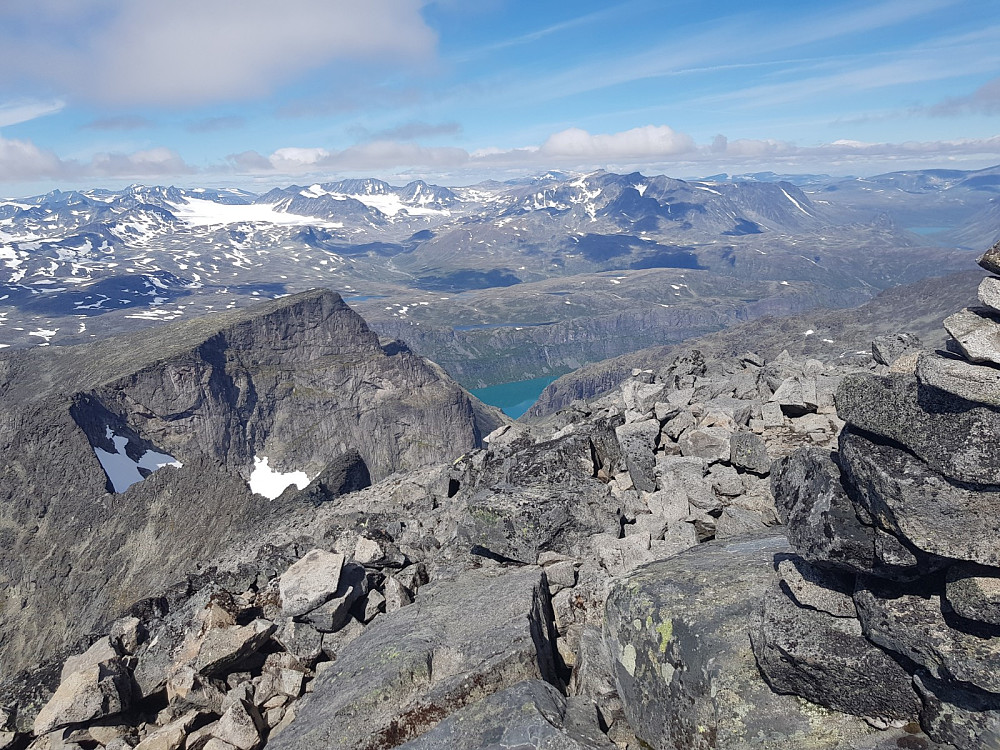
[{"x": 513, "y": 398}]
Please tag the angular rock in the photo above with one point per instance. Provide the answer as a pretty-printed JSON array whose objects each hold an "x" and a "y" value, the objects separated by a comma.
[
  {"x": 681, "y": 654},
  {"x": 914, "y": 625},
  {"x": 887, "y": 349},
  {"x": 531, "y": 714},
  {"x": 333, "y": 613},
  {"x": 642, "y": 397},
  {"x": 171, "y": 736},
  {"x": 223, "y": 648},
  {"x": 638, "y": 441},
  {"x": 708, "y": 443},
  {"x": 990, "y": 260},
  {"x": 748, "y": 451},
  {"x": 952, "y": 435},
  {"x": 973, "y": 592},
  {"x": 772, "y": 415},
  {"x": 241, "y": 726},
  {"x": 310, "y": 582},
  {"x": 948, "y": 518},
  {"x": 816, "y": 587},
  {"x": 976, "y": 383},
  {"x": 966, "y": 719},
  {"x": 977, "y": 333},
  {"x": 828, "y": 661},
  {"x": 300, "y": 639},
  {"x": 519, "y": 523},
  {"x": 420, "y": 664},
  {"x": 128, "y": 634},
  {"x": 796, "y": 396},
  {"x": 735, "y": 521},
  {"x": 98, "y": 684}
]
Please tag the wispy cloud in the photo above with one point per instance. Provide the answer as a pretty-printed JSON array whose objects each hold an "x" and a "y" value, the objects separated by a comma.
[
  {"x": 409, "y": 131},
  {"x": 16, "y": 112},
  {"x": 983, "y": 101}
]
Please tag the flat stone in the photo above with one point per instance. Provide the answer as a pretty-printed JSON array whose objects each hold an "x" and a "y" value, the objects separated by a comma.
[
  {"x": 967, "y": 719},
  {"x": 914, "y": 625},
  {"x": 772, "y": 415},
  {"x": 976, "y": 383},
  {"x": 796, "y": 396},
  {"x": 749, "y": 451},
  {"x": 941, "y": 517},
  {"x": 973, "y": 592},
  {"x": 953, "y": 436},
  {"x": 828, "y": 661},
  {"x": 531, "y": 714},
  {"x": 708, "y": 443},
  {"x": 171, "y": 736},
  {"x": 977, "y": 334},
  {"x": 310, "y": 582},
  {"x": 678, "y": 635},
  {"x": 816, "y": 587},
  {"x": 414, "y": 667}
]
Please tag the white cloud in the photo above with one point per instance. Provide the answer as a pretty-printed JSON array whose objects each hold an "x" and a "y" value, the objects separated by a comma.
[
  {"x": 650, "y": 141},
  {"x": 186, "y": 52}
]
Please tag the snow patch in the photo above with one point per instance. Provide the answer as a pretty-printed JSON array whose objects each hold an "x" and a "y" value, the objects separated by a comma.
[
  {"x": 797, "y": 204},
  {"x": 204, "y": 213},
  {"x": 270, "y": 483},
  {"x": 122, "y": 470}
]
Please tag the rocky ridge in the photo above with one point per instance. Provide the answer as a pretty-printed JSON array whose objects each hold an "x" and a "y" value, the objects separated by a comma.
[{"x": 432, "y": 599}]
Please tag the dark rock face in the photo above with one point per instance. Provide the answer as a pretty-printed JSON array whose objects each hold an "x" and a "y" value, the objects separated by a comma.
[{"x": 301, "y": 381}]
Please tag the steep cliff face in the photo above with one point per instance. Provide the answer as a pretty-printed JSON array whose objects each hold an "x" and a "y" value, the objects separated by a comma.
[{"x": 125, "y": 464}]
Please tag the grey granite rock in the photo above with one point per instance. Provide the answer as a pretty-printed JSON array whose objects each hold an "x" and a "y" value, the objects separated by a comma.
[
  {"x": 948, "y": 518},
  {"x": 973, "y": 592},
  {"x": 967, "y": 719},
  {"x": 678, "y": 634},
  {"x": 912, "y": 623},
  {"x": 977, "y": 333},
  {"x": 530, "y": 714},
  {"x": 828, "y": 660},
  {"x": 887, "y": 349},
  {"x": 817, "y": 587},
  {"x": 332, "y": 614},
  {"x": 309, "y": 582},
  {"x": 989, "y": 292},
  {"x": 952, "y": 435},
  {"x": 638, "y": 441},
  {"x": 748, "y": 451},
  {"x": 414, "y": 667},
  {"x": 976, "y": 383},
  {"x": 990, "y": 260}
]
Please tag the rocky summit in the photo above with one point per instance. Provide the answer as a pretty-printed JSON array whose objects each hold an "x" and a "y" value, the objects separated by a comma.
[{"x": 271, "y": 529}]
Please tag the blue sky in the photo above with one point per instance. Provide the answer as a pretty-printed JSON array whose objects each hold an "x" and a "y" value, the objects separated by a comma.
[{"x": 256, "y": 93}]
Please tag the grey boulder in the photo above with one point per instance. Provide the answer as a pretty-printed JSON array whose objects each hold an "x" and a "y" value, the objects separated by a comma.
[
  {"x": 977, "y": 334},
  {"x": 977, "y": 383}
]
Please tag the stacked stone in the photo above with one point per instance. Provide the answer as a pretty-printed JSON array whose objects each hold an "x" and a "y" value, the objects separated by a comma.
[{"x": 890, "y": 608}]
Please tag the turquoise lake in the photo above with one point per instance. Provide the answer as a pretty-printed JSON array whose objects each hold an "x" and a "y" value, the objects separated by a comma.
[{"x": 513, "y": 398}]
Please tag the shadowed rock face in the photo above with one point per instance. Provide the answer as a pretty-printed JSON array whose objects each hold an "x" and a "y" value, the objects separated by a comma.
[{"x": 300, "y": 381}]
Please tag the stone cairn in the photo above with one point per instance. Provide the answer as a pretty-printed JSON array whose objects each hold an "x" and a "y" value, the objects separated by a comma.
[{"x": 889, "y": 609}]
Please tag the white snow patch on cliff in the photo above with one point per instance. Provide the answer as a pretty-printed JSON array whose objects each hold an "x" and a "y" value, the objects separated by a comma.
[
  {"x": 270, "y": 483},
  {"x": 122, "y": 470}
]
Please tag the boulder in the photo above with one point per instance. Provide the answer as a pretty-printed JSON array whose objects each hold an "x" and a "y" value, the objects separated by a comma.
[
  {"x": 977, "y": 383},
  {"x": 977, "y": 333},
  {"x": 241, "y": 726},
  {"x": 333, "y": 613},
  {"x": 796, "y": 396},
  {"x": 638, "y": 441},
  {"x": 817, "y": 587},
  {"x": 223, "y": 648},
  {"x": 990, "y": 260},
  {"x": 948, "y": 518},
  {"x": 310, "y": 582},
  {"x": 989, "y": 292},
  {"x": 96, "y": 684},
  {"x": 461, "y": 641},
  {"x": 828, "y": 660},
  {"x": 530, "y": 714},
  {"x": 973, "y": 592},
  {"x": 708, "y": 443},
  {"x": 913, "y": 624},
  {"x": 171, "y": 736},
  {"x": 519, "y": 523},
  {"x": 749, "y": 452},
  {"x": 953, "y": 436},
  {"x": 681, "y": 654},
  {"x": 887, "y": 349}
]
